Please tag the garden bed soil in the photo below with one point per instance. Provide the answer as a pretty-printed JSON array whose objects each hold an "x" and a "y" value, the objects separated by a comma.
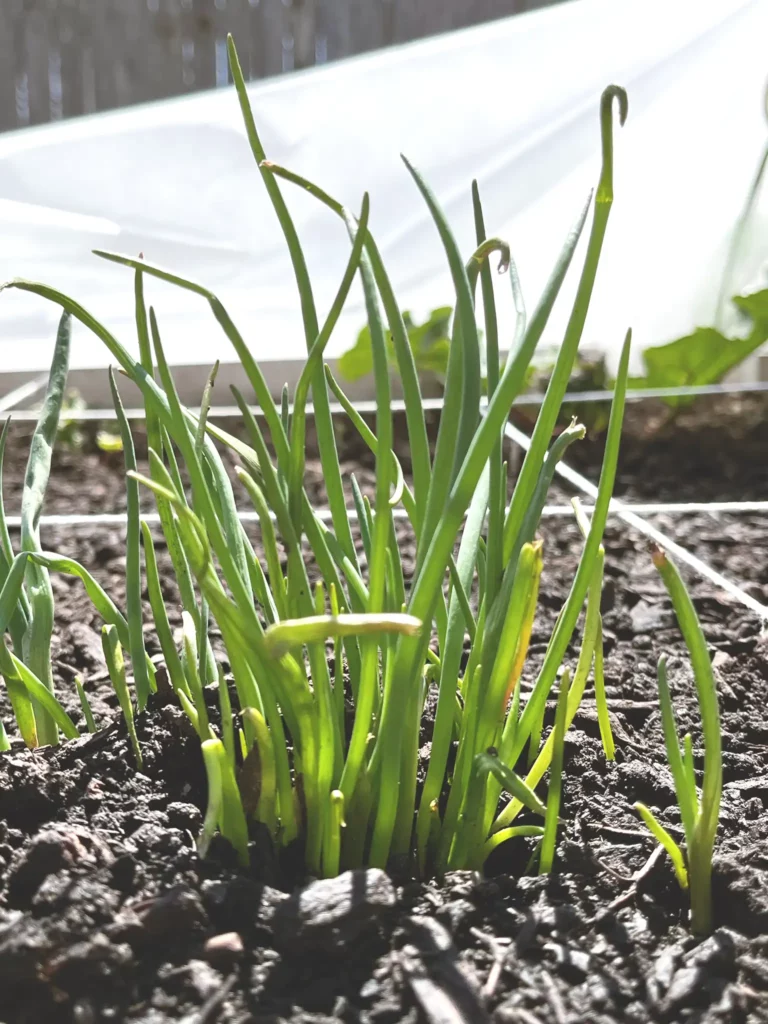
[
  {"x": 108, "y": 914},
  {"x": 714, "y": 450}
]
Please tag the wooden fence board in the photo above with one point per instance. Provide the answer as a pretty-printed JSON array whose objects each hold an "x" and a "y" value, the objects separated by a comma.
[
  {"x": 61, "y": 58},
  {"x": 8, "y": 65},
  {"x": 66, "y": 37},
  {"x": 334, "y": 26},
  {"x": 32, "y": 47},
  {"x": 415, "y": 19},
  {"x": 265, "y": 39}
]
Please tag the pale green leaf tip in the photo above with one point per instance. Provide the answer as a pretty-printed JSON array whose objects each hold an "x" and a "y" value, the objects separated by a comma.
[{"x": 618, "y": 93}]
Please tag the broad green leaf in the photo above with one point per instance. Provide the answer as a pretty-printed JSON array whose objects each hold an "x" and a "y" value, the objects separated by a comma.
[
  {"x": 706, "y": 355},
  {"x": 357, "y": 362},
  {"x": 429, "y": 343},
  {"x": 699, "y": 358},
  {"x": 755, "y": 306}
]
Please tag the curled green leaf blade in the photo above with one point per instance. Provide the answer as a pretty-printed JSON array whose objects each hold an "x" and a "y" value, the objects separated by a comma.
[
  {"x": 512, "y": 783},
  {"x": 205, "y": 406},
  {"x": 414, "y": 413},
  {"x": 580, "y": 586},
  {"x": 427, "y": 590},
  {"x": 10, "y": 594},
  {"x": 160, "y": 615},
  {"x": 100, "y": 600},
  {"x": 547, "y": 854},
  {"x": 261, "y": 784},
  {"x": 282, "y": 636},
  {"x": 665, "y": 840},
  {"x": 37, "y": 640},
  {"x": 323, "y": 422},
  {"x": 113, "y": 655},
  {"x": 603, "y": 716},
  {"x": 706, "y": 686},
  {"x": 686, "y": 796},
  {"x": 566, "y": 356},
  {"x": 132, "y": 557},
  {"x": 85, "y": 705},
  {"x": 701, "y": 839},
  {"x": 13, "y": 668}
]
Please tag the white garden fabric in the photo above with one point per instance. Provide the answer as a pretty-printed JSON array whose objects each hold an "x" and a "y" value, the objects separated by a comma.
[{"x": 513, "y": 103}]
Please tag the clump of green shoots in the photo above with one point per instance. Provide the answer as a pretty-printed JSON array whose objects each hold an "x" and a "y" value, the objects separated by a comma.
[
  {"x": 26, "y": 596},
  {"x": 699, "y": 812},
  {"x": 328, "y": 756}
]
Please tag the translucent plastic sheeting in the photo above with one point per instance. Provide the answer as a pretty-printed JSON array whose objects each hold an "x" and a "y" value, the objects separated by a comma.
[{"x": 513, "y": 103}]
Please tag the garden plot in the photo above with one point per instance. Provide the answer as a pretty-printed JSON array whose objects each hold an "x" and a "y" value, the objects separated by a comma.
[
  {"x": 407, "y": 765},
  {"x": 87, "y": 838}
]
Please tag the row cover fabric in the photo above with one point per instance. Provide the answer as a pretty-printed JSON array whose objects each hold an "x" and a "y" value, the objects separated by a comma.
[{"x": 513, "y": 104}]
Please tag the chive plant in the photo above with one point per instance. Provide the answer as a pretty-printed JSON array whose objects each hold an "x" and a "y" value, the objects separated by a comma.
[
  {"x": 699, "y": 812},
  {"x": 329, "y": 756},
  {"x": 26, "y": 597}
]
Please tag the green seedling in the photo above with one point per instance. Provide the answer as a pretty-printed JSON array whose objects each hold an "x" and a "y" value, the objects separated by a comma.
[
  {"x": 90, "y": 721},
  {"x": 113, "y": 655},
  {"x": 548, "y": 840},
  {"x": 27, "y": 598},
  {"x": 331, "y": 759},
  {"x": 699, "y": 810}
]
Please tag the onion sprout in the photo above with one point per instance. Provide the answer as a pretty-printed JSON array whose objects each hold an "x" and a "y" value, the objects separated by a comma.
[{"x": 330, "y": 757}]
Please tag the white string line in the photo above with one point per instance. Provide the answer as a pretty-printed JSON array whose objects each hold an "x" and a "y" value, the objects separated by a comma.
[
  {"x": 629, "y": 516},
  {"x": 368, "y": 406},
  {"x": 652, "y": 508},
  {"x": 20, "y": 393},
  {"x": 549, "y": 511}
]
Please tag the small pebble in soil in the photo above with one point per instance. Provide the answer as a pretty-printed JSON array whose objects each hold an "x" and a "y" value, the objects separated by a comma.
[
  {"x": 646, "y": 618},
  {"x": 573, "y": 964},
  {"x": 370, "y": 990},
  {"x": 238, "y": 903},
  {"x": 334, "y": 911},
  {"x": 753, "y": 808},
  {"x": 203, "y": 979},
  {"x": 94, "y": 794},
  {"x": 178, "y": 910},
  {"x": 83, "y": 1012},
  {"x": 184, "y": 816},
  {"x": 222, "y": 951},
  {"x": 124, "y": 872},
  {"x": 126, "y": 927}
]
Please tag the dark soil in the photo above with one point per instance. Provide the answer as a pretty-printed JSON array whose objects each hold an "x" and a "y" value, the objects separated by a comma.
[
  {"x": 108, "y": 914},
  {"x": 713, "y": 451}
]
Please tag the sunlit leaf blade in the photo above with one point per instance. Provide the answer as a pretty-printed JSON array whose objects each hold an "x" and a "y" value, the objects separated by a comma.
[
  {"x": 282, "y": 636},
  {"x": 37, "y": 640},
  {"x": 132, "y": 557},
  {"x": 666, "y": 840}
]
